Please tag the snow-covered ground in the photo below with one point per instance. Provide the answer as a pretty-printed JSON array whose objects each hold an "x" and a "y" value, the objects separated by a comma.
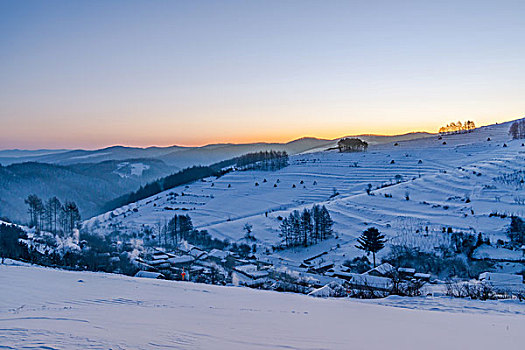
[
  {"x": 449, "y": 182},
  {"x": 43, "y": 308}
]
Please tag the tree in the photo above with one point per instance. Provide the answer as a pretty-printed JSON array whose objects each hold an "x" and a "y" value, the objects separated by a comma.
[
  {"x": 9, "y": 245},
  {"x": 371, "y": 241},
  {"x": 286, "y": 232},
  {"x": 53, "y": 207},
  {"x": 306, "y": 226},
  {"x": 325, "y": 223},
  {"x": 517, "y": 231},
  {"x": 172, "y": 229},
  {"x": 248, "y": 229},
  {"x": 517, "y": 129},
  {"x": 185, "y": 225},
  {"x": 35, "y": 209},
  {"x": 70, "y": 217}
]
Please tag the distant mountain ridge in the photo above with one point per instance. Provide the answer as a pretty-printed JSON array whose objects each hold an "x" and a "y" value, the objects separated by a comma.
[
  {"x": 92, "y": 178},
  {"x": 181, "y": 156}
]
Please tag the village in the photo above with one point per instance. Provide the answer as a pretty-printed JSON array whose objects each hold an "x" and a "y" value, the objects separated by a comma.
[{"x": 320, "y": 277}]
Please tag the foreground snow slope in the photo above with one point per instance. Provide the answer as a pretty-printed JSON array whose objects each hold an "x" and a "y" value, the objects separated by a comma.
[{"x": 53, "y": 309}]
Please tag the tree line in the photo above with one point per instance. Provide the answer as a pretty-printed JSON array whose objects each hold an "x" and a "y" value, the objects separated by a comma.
[
  {"x": 307, "y": 227},
  {"x": 264, "y": 160},
  {"x": 52, "y": 215},
  {"x": 458, "y": 127}
]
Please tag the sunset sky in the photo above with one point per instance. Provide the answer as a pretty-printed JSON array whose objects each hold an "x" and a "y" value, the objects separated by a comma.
[{"x": 88, "y": 74}]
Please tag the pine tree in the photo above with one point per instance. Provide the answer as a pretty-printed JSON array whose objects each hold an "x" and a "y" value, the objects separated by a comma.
[
  {"x": 306, "y": 226},
  {"x": 326, "y": 223},
  {"x": 371, "y": 241}
]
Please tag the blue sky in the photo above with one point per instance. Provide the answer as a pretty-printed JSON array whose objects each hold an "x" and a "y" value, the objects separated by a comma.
[{"x": 96, "y": 73}]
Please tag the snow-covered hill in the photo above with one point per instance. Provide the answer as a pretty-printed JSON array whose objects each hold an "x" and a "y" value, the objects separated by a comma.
[
  {"x": 449, "y": 182},
  {"x": 52, "y": 309}
]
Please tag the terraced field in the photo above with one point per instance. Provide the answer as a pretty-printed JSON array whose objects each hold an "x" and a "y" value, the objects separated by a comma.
[{"x": 449, "y": 181}]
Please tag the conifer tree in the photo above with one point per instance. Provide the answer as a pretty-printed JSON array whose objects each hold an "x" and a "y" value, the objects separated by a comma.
[{"x": 371, "y": 241}]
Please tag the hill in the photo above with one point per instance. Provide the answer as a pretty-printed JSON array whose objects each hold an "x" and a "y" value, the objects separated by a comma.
[
  {"x": 88, "y": 184},
  {"x": 450, "y": 181}
]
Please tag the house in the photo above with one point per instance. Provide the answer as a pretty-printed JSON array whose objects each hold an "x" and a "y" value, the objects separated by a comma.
[
  {"x": 218, "y": 256},
  {"x": 383, "y": 270},
  {"x": 503, "y": 281},
  {"x": 197, "y": 253},
  {"x": 363, "y": 281},
  {"x": 406, "y": 272},
  {"x": 321, "y": 268},
  {"x": 149, "y": 274},
  {"x": 309, "y": 260},
  {"x": 181, "y": 261},
  {"x": 158, "y": 255},
  {"x": 185, "y": 248},
  {"x": 143, "y": 265},
  {"x": 248, "y": 275},
  {"x": 422, "y": 276}
]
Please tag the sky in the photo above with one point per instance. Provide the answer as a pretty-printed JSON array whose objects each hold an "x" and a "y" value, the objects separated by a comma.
[{"x": 88, "y": 74}]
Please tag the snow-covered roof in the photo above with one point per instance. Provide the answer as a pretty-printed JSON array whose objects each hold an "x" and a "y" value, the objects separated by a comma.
[
  {"x": 246, "y": 268},
  {"x": 184, "y": 259},
  {"x": 157, "y": 262},
  {"x": 501, "y": 278},
  {"x": 370, "y": 281},
  {"x": 157, "y": 256},
  {"x": 185, "y": 246},
  {"x": 149, "y": 274},
  {"x": 251, "y": 271},
  {"x": 495, "y": 253},
  {"x": 219, "y": 254},
  {"x": 197, "y": 253},
  {"x": 408, "y": 270},
  {"x": 383, "y": 269}
]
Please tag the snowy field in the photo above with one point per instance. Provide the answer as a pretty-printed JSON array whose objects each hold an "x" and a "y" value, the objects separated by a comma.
[
  {"x": 449, "y": 182},
  {"x": 43, "y": 308}
]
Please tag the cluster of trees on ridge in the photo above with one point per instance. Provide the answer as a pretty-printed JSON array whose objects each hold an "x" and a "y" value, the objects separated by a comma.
[
  {"x": 458, "y": 127},
  {"x": 517, "y": 130},
  {"x": 352, "y": 145},
  {"x": 267, "y": 160}
]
